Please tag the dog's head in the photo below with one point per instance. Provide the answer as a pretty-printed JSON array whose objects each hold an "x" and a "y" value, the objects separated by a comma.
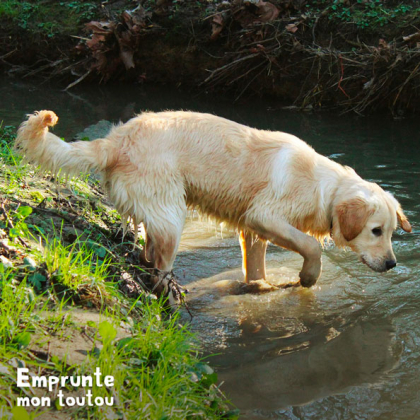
[{"x": 365, "y": 221}]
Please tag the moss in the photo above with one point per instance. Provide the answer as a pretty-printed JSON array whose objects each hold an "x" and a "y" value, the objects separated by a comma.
[{"x": 48, "y": 17}]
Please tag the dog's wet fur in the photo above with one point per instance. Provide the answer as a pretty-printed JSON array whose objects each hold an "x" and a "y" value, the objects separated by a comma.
[{"x": 271, "y": 186}]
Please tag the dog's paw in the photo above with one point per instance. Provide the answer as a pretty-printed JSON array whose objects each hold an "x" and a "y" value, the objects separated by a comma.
[
  {"x": 166, "y": 286},
  {"x": 257, "y": 287},
  {"x": 307, "y": 280},
  {"x": 310, "y": 273}
]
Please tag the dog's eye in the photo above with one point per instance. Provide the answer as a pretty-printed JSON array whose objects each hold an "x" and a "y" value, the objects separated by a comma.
[{"x": 377, "y": 231}]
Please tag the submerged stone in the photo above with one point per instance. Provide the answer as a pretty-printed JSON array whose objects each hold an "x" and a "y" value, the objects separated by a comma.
[{"x": 94, "y": 131}]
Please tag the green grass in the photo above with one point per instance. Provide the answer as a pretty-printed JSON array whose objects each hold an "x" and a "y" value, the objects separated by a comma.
[
  {"x": 75, "y": 266},
  {"x": 372, "y": 14},
  {"x": 157, "y": 369},
  {"x": 11, "y": 166},
  {"x": 157, "y": 365},
  {"x": 16, "y": 306},
  {"x": 48, "y": 17}
]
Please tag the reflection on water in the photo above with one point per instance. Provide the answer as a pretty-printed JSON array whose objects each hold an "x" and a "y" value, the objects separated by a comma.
[
  {"x": 297, "y": 374},
  {"x": 287, "y": 351},
  {"x": 346, "y": 349}
]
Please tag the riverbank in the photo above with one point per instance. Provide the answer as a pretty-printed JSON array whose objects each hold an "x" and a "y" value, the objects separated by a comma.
[
  {"x": 72, "y": 299},
  {"x": 353, "y": 56}
]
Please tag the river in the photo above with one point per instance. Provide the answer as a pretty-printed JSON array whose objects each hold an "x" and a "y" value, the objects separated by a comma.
[{"x": 346, "y": 349}]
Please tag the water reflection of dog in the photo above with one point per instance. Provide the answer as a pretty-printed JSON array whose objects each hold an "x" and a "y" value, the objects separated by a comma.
[{"x": 361, "y": 354}]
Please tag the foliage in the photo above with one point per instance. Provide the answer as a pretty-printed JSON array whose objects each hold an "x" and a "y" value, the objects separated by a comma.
[
  {"x": 157, "y": 369},
  {"x": 84, "y": 10},
  {"x": 20, "y": 227},
  {"x": 363, "y": 14},
  {"x": 16, "y": 306},
  {"x": 75, "y": 265},
  {"x": 48, "y": 17},
  {"x": 10, "y": 164},
  {"x": 7, "y": 136}
]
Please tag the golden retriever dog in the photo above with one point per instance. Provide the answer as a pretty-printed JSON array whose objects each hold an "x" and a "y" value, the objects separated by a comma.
[{"x": 271, "y": 186}]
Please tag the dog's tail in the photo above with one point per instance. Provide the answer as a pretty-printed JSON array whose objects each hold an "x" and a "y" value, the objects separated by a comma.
[{"x": 43, "y": 148}]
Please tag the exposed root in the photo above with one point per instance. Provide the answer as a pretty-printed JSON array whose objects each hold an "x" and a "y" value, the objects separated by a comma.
[{"x": 304, "y": 55}]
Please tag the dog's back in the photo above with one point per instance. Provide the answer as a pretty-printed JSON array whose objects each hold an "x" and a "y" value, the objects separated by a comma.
[{"x": 221, "y": 165}]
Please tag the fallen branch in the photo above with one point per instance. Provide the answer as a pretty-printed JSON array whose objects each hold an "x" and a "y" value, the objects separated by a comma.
[{"x": 80, "y": 79}]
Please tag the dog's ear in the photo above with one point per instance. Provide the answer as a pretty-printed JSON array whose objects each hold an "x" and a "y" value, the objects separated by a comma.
[
  {"x": 402, "y": 219},
  {"x": 352, "y": 217}
]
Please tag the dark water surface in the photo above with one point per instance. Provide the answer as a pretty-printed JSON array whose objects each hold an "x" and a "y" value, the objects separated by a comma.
[{"x": 349, "y": 348}]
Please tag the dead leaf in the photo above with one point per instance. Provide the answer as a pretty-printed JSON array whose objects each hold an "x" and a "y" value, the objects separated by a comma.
[
  {"x": 217, "y": 26},
  {"x": 267, "y": 11},
  {"x": 291, "y": 27},
  {"x": 127, "y": 59},
  {"x": 383, "y": 44},
  {"x": 257, "y": 49},
  {"x": 162, "y": 7},
  {"x": 103, "y": 28}
]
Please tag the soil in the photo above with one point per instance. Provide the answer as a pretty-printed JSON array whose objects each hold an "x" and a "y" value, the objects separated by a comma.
[
  {"x": 352, "y": 55},
  {"x": 73, "y": 343}
]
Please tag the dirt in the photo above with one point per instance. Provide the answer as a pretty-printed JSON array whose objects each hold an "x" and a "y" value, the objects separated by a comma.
[{"x": 75, "y": 338}]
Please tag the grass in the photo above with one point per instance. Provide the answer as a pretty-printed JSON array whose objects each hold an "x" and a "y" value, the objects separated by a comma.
[
  {"x": 157, "y": 369},
  {"x": 62, "y": 275},
  {"x": 48, "y": 18},
  {"x": 372, "y": 14},
  {"x": 11, "y": 165},
  {"x": 160, "y": 362},
  {"x": 75, "y": 266},
  {"x": 16, "y": 306}
]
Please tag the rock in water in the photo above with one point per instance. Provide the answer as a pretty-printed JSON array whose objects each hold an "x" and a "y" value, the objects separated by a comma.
[{"x": 94, "y": 131}]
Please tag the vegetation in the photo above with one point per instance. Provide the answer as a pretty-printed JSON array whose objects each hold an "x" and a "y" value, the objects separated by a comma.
[
  {"x": 62, "y": 281},
  {"x": 364, "y": 14},
  {"x": 48, "y": 18},
  {"x": 356, "y": 55}
]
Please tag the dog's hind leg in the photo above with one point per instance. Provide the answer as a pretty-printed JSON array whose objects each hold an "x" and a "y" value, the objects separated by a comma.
[
  {"x": 283, "y": 234},
  {"x": 164, "y": 228},
  {"x": 253, "y": 256},
  {"x": 165, "y": 243}
]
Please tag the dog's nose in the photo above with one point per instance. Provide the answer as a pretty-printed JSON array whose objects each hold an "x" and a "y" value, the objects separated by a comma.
[{"x": 390, "y": 264}]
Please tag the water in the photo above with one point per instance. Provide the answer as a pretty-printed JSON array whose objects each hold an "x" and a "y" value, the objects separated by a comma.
[{"x": 347, "y": 348}]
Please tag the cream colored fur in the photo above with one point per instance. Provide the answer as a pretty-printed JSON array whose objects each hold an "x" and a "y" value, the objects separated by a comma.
[{"x": 268, "y": 184}]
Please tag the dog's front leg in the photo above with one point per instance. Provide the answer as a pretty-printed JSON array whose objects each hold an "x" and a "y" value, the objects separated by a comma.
[
  {"x": 253, "y": 256},
  {"x": 282, "y": 234}
]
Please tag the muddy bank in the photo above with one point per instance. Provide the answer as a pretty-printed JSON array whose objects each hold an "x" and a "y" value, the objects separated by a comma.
[{"x": 359, "y": 56}]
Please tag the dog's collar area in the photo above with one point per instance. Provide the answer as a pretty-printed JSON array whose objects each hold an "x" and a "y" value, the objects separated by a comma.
[{"x": 331, "y": 227}]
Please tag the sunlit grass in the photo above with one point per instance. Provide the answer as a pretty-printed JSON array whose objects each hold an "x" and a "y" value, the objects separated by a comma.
[
  {"x": 12, "y": 169},
  {"x": 74, "y": 265},
  {"x": 157, "y": 368},
  {"x": 16, "y": 306}
]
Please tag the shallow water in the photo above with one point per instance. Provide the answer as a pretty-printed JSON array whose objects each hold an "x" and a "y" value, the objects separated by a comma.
[{"x": 346, "y": 349}]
